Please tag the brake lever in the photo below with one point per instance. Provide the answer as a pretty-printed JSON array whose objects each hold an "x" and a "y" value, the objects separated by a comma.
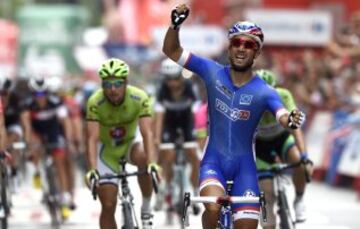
[
  {"x": 263, "y": 206},
  {"x": 93, "y": 188},
  {"x": 155, "y": 180},
  {"x": 185, "y": 217}
]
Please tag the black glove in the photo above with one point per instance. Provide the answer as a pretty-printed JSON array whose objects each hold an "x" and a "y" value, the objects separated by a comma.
[
  {"x": 177, "y": 18},
  {"x": 296, "y": 119}
]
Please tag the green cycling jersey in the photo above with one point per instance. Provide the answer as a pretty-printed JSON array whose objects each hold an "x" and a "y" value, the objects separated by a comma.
[
  {"x": 268, "y": 127},
  {"x": 118, "y": 124}
]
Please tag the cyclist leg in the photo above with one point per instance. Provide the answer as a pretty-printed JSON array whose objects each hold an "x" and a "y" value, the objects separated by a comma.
[
  {"x": 191, "y": 147},
  {"x": 246, "y": 216},
  {"x": 267, "y": 186},
  {"x": 36, "y": 152},
  {"x": 168, "y": 158},
  {"x": 108, "y": 197},
  {"x": 299, "y": 172},
  {"x": 265, "y": 157},
  {"x": 108, "y": 189},
  {"x": 291, "y": 154},
  {"x": 14, "y": 134},
  {"x": 212, "y": 183},
  {"x": 138, "y": 157},
  {"x": 70, "y": 175},
  {"x": 167, "y": 153},
  {"x": 59, "y": 154}
]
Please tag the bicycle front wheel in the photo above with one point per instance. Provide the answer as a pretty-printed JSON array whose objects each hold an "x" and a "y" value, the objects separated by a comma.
[
  {"x": 286, "y": 221},
  {"x": 127, "y": 214},
  {"x": 52, "y": 198}
]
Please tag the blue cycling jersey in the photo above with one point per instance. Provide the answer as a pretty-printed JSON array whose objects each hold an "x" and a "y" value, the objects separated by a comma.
[{"x": 234, "y": 112}]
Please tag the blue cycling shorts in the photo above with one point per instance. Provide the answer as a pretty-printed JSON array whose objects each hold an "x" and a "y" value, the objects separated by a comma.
[{"x": 241, "y": 170}]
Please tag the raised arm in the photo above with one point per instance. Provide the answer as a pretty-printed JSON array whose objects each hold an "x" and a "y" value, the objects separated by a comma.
[{"x": 171, "y": 46}]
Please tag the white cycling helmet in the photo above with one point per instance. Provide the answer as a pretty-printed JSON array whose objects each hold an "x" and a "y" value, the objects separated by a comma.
[
  {"x": 38, "y": 84},
  {"x": 54, "y": 84},
  {"x": 249, "y": 29},
  {"x": 170, "y": 69}
]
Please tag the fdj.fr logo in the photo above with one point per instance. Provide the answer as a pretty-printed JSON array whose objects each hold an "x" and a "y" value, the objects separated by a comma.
[
  {"x": 233, "y": 114},
  {"x": 117, "y": 132}
]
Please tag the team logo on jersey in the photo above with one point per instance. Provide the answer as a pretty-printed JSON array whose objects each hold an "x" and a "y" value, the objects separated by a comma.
[
  {"x": 135, "y": 97},
  {"x": 223, "y": 90},
  {"x": 117, "y": 132},
  {"x": 211, "y": 172},
  {"x": 232, "y": 114},
  {"x": 245, "y": 99},
  {"x": 249, "y": 193}
]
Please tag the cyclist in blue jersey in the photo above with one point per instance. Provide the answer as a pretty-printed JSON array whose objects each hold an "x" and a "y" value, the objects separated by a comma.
[{"x": 237, "y": 98}]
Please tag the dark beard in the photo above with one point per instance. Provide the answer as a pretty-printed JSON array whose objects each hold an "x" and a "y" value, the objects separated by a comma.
[{"x": 242, "y": 68}]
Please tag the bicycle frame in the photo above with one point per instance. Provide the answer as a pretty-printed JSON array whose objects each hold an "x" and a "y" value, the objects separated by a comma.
[
  {"x": 125, "y": 196},
  {"x": 4, "y": 190},
  {"x": 179, "y": 171},
  {"x": 51, "y": 188},
  {"x": 286, "y": 220}
]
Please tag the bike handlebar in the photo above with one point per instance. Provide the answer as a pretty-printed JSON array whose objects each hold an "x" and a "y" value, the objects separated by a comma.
[
  {"x": 222, "y": 200},
  {"x": 281, "y": 167},
  {"x": 122, "y": 175}
]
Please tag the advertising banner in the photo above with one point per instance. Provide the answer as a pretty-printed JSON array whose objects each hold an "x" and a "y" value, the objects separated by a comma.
[
  {"x": 202, "y": 40},
  {"x": 48, "y": 35},
  {"x": 350, "y": 161},
  {"x": 293, "y": 27},
  {"x": 8, "y": 47}
]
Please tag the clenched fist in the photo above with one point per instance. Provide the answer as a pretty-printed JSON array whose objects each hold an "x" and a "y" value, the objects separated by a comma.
[
  {"x": 179, "y": 15},
  {"x": 296, "y": 119}
]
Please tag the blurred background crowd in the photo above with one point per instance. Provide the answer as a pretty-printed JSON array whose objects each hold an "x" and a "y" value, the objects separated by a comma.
[{"x": 312, "y": 45}]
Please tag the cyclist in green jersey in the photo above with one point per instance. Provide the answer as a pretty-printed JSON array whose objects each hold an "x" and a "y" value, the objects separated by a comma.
[
  {"x": 274, "y": 143},
  {"x": 119, "y": 117}
]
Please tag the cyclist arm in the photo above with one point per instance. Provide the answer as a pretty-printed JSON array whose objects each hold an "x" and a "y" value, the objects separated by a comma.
[
  {"x": 159, "y": 115},
  {"x": 25, "y": 120},
  {"x": 299, "y": 140},
  {"x": 171, "y": 46},
  {"x": 159, "y": 119},
  {"x": 92, "y": 130},
  {"x": 146, "y": 132},
  {"x": 63, "y": 116},
  {"x": 276, "y": 106}
]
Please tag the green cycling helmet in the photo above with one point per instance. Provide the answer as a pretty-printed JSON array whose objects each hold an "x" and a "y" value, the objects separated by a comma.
[
  {"x": 114, "y": 67},
  {"x": 268, "y": 76}
]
